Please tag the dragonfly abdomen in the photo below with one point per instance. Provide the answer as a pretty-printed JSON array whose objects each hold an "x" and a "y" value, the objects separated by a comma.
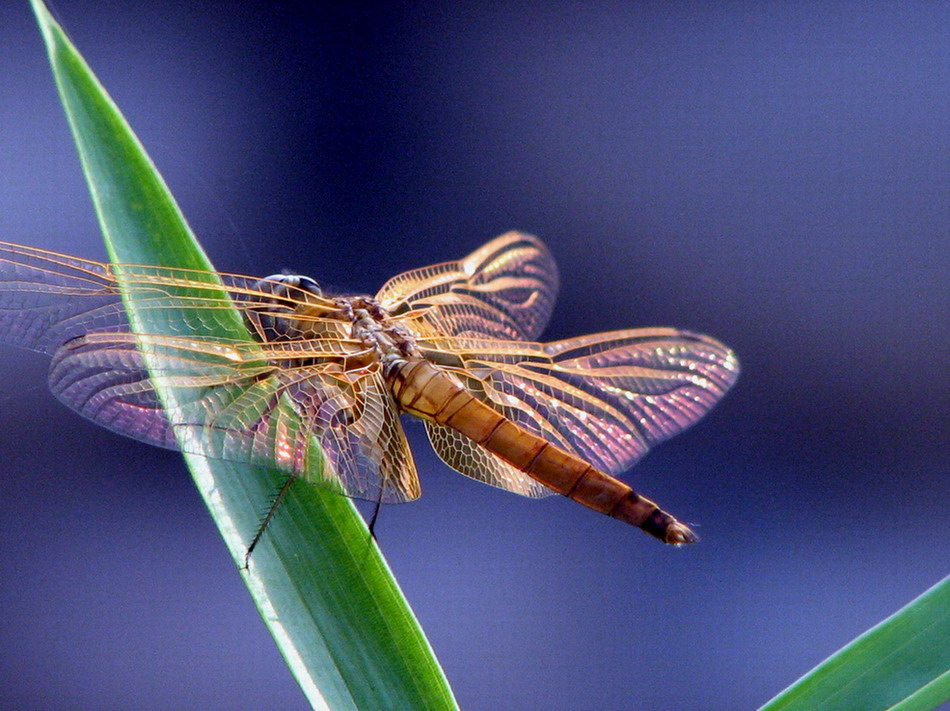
[{"x": 425, "y": 391}]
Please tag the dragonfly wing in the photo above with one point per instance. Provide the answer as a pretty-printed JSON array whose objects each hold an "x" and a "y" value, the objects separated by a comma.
[
  {"x": 252, "y": 412},
  {"x": 230, "y": 399},
  {"x": 47, "y": 299},
  {"x": 468, "y": 458},
  {"x": 607, "y": 397},
  {"x": 364, "y": 442},
  {"x": 505, "y": 289}
]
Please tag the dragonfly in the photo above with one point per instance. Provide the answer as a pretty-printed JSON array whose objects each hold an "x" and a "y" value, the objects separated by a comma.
[{"x": 315, "y": 385}]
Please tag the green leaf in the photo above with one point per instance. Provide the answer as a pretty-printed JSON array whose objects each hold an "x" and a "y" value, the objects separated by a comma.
[
  {"x": 901, "y": 664},
  {"x": 317, "y": 577}
]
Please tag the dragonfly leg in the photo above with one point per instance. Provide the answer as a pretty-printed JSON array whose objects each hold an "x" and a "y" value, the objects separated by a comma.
[
  {"x": 275, "y": 504},
  {"x": 376, "y": 509}
]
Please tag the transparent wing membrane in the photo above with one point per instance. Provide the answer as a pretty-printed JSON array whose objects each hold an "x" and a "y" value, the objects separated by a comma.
[
  {"x": 466, "y": 457},
  {"x": 48, "y": 298},
  {"x": 506, "y": 289},
  {"x": 607, "y": 397},
  {"x": 262, "y": 413}
]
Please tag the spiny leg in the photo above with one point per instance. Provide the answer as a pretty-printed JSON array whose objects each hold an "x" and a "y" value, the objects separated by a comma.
[
  {"x": 376, "y": 509},
  {"x": 275, "y": 504}
]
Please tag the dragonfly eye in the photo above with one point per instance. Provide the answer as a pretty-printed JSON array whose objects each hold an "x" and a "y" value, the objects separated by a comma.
[
  {"x": 285, "y": 284},
  {"x": 272, "y": 317}
]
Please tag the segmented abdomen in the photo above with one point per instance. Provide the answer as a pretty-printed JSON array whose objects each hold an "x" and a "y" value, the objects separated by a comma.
[{"x": 424, "y": 390}]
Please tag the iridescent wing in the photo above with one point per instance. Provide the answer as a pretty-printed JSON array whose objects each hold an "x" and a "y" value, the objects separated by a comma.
[
  {"x": 504, "y": 290},
  {"x": 607, "y": 397},
  {"x": 46, "y": 299},
  {"x": 468, "y": 458},
  {"x": 261, "y": 402}
]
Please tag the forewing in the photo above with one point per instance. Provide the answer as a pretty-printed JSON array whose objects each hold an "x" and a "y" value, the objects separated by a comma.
[
  {"x": 47, "y": 299},
  {"x": 505, "y": 289},
  {"x": 258, "y": 412},
  {"x": 607, "y": 397}
]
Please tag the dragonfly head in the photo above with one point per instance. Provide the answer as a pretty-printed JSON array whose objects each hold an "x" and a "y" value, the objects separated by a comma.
[
  {"x": 277, "y": 302},
  {"x": 289, "y": 285}
]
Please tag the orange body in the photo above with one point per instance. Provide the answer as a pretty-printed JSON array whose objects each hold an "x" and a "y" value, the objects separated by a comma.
[{"x": 425, "y": 391}]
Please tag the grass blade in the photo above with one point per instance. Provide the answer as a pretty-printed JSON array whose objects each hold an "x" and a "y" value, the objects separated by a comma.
[
  {"x": 318, "y": 580},
  {"x": 902, "y": 663}
]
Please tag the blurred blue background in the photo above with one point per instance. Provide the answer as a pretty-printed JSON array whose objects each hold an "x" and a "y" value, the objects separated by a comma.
[{"x": 772, "y": 174}]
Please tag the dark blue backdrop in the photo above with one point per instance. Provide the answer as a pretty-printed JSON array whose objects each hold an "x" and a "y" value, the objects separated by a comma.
[{"x": 771, "y": 174}]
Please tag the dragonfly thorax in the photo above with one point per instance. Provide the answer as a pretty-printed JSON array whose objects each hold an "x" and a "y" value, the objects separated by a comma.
[{"x": 373, "y": 327}]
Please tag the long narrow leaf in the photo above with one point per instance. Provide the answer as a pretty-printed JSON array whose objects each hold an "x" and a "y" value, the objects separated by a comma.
[
  {"x": 317, "y": 578},
  {"x": 902, "y": 663}
]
